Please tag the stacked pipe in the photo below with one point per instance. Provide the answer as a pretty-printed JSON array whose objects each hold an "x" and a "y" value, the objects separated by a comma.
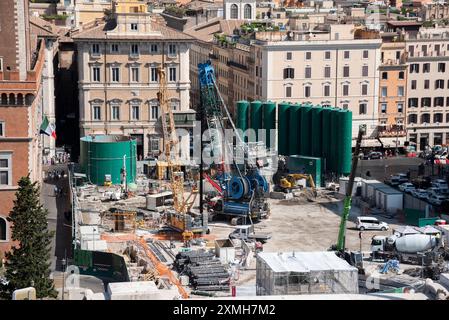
[{"x": 206, "y": 273}]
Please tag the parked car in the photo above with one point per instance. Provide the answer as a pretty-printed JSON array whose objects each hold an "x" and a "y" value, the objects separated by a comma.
[
  {"x": 373, "y": 155},
  {"x": 406, "y": 187},
  {"x": 371, "y": 223},
  {"x": 420, "y": 194},
  {"x": 436, "y": 199},
  {"x": 440, "y": 184},
  {"x": 403, "y": 177},
  {"x": 394, "y": 181}
]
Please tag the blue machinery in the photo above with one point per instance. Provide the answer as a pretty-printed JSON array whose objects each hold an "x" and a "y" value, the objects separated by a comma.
[{"x": 241, "y": 186}]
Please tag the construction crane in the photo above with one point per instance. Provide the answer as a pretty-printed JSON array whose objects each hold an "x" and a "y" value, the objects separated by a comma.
[
  {"x": 340, "y": 247},
  {"x": 240, "y": 186},
  {"x": 179, "y": 219}
]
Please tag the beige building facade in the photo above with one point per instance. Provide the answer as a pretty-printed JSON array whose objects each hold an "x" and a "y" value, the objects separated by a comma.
[{"x": 118, "y": 80}]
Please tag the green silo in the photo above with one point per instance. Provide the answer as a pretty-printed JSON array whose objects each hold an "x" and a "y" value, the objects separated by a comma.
[
  {"x": 255, "y": 115},
  {"x": 294, "y": 130},
  {"x": 332, "y": 159},
  {"x": 305, "y": 136},
  {"x": 283, "y": 133},
  {"x": 317, "y": 131},
  {"x": 346, "y": 141},
  {"x": 242, "y": 117},
  {"x": 269, "y": 121},
  {"x": 325, "y": 136},
  {"x": 106, "y": 155}
]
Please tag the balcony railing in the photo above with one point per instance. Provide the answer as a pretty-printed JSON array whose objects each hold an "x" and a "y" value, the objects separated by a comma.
[{"x": 237, "y": 65}]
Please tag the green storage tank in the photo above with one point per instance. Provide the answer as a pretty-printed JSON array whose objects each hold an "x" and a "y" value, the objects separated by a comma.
[
  {"x": 269, "y": 122},
  {"x": 310, "y": 165},
  {"x": 305, "y": 129},
  {"x": 283, "y": 133},
  {"x": 255, "y": 112},
  {"x": 346, "y": 141},
  {"x": 333, "y": 152},
  {"x": 294, "y": 129},
  {"x": 105, "y": 155},
  {"x": 242, "y": 117},
  {"x": 325, "y": 136},
  {"x": 317, "y": 131}
]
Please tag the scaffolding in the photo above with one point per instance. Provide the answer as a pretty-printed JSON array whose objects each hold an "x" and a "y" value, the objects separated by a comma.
[{"x": 304, "y": 273}]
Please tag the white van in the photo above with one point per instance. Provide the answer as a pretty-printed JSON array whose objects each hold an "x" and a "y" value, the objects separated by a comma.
[{"x": 371, "y": 223}]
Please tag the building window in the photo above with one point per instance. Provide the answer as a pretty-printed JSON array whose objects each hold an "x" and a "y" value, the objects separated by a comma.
[
  {"x": 425, "y": 118},
  {"x": 426, "y": 84},
  {"x": 413, "y": 102},
  {"x": 383, "y": 108},
  {"x": 327, "y": 55},
  {"x": 439, "y": 84},
  {"x": 96, "y": 74},
  {"x": 438, "y": 102},
  {"x": 426, "y": 68},
  {"x": 346, "y": 90},
  {"x": 308, "y": 72},
  {"x": 114, "y": 48},
  {"x": 247, "y": 11},
  {"x": 234, "y": 11},
  {"x": 362, "y": 108},
  {"x": 400, "y": 91},
  {"x": 426, "y": 102},
  {"x": 400, "y": 107},
  {"x": 365, "y": 54},
  {"x": 154, "y": 111},
  {"x": 288, "y": 92},
  {"x": 364, "y": 89},
  {"x": 135, "y": 112},
  {"x": 308, "y": 55},
  {"x": 383, "y": 92},
  {"x": 413, "y": 84},
  {"x": 384, "y": 75},
  {"x": 414, "y": 68},
  {"x": 307, "y": 91},
  {"x": 346, "y": 54},
  {"x": 327, "y": 90},
  {"x": 96, "y": 111},
  {"x": 154, "y": 144},
  {"x": 327, "y": 72},
  {"x": 412, "y": 118},
  {"x": 154, "y": 75},
  {"x": 172, "y": 50},
  {"x": 174, "y": 105},
  {"x": 115, "y": 112},
  {"x": 134, "y": 49},
  {"x": 289, "y": 73},
  {"x": 134, "y": 74},
  {"x": 365, "y": 71},
  {"x": 441, "y": 67},
  {"x": 172, "y": 74},
  {"x": 153, "y": 48},
  {"x": 346, "y": 71},
  {"x": 134, "y": 27},
  {"x": 5, "y": 169},
  {"x": 95, "y": 49},
  {"x": 289, "y": 56},
  {"x": 115, "y": 74},
  {"x": 2, "y": 128},
  {"x": 2, "y": 229},
  {"x": 401, "y": 75},
  {"x": 438, "y": 118}
]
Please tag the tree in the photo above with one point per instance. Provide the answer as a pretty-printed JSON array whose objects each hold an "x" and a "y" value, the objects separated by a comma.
[{"x": 27, "y": 264}]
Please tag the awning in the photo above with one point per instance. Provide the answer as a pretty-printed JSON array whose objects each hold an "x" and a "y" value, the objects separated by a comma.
[
  {"x": 390, "y": 142},
  {"x": 368, "y": 143}
]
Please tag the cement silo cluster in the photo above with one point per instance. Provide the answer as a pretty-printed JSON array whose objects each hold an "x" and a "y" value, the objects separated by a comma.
[
  {"x": 303, "y": 130},
  {"x": 104, "y": 156}
]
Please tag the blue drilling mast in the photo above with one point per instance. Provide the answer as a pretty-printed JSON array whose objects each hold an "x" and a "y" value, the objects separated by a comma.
[{"x": 240, "y": 186}]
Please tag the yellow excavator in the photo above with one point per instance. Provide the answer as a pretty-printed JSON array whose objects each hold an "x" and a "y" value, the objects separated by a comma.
[{"x": 289, "y": 181}]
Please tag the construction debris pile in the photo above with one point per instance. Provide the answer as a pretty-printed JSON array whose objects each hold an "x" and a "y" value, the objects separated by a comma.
[{"x": 206, "y": 273}]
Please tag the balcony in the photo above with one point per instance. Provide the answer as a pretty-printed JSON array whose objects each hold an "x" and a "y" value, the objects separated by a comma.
[
  {"x": 237, "y": 65},
  {"x": 213, "y": 56}
]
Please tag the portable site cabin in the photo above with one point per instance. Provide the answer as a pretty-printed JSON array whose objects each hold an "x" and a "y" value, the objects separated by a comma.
[
  {"x": 344, "y": 184},
  {"x": 388, "y": 199}
]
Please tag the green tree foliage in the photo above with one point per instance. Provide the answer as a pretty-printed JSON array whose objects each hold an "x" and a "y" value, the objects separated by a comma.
[{"x": 27, "y": 264}]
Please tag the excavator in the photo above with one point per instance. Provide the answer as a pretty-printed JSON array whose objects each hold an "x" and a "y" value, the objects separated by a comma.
[{"x": 289, "y": 181}]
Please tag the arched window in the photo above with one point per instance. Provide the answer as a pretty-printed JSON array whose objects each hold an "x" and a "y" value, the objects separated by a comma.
[
  {"x": 438, "y": 117},
  {"x": 4, "y": 99},
  {"x": 412, "y": 118},
  {"x": 2, "y": 229},
  {"x": 247, "y": 11},
  {"x": 29, "y": 98},
  {"x": 425, "y": 118},
  {"x": 20, "y": 99},
  {"x": 234, "y": 11},
  {"x": 12, "y": 99}
]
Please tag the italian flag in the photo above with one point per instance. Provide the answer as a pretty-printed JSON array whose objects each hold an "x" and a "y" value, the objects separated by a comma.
[{"x": 48, "y": 128}]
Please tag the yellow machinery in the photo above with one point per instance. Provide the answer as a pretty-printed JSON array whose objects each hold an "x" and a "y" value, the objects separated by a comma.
[
  {"x": 288, "y": 181},
  {"x": 179, "y": 219}
]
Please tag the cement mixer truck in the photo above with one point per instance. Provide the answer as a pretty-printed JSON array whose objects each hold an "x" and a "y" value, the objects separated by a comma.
[{"x": 411, "y": 248}]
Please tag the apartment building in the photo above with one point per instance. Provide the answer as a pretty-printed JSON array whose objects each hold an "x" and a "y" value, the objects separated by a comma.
[
  {"x": 392, "y": 92},
  {"x": 118, "y": 84},
  {"x": 25, "y": 96},
  {"x": 86, "y": 11},
  {"x": 427, "y": 87}
]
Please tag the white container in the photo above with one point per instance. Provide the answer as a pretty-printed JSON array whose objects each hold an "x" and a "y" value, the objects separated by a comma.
[
  {"x": 414, "y": 243},
  {"x": 225, "y": 250}
]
